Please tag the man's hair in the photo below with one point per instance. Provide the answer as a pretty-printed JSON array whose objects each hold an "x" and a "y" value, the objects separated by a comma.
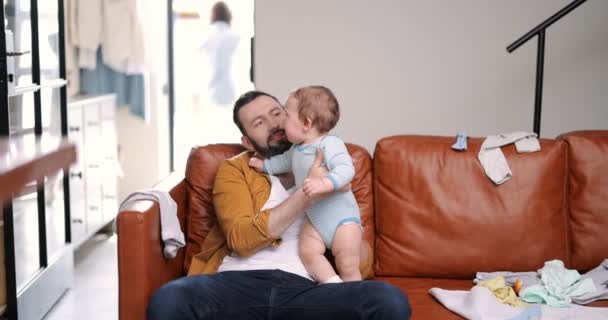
[
  {"x": 243, "y": 100},
  {"x": 318, "y": 104},
  {"x": 221, "y": 12}
]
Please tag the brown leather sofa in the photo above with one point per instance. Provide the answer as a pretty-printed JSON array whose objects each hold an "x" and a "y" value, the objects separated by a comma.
[{"x": 430, "y": 213}]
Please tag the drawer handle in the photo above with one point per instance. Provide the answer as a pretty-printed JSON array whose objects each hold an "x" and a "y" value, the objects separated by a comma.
[
  {"x": 77, "y": 220},
  {"x": 93, "y": 166},
  {"x": 16, "y": 54},
  {"x": 109, "y": 197},
  {"x": 76, "y": 175},
  {"x": 94, "y": 208},
  {"x": 74, "y": 129}
]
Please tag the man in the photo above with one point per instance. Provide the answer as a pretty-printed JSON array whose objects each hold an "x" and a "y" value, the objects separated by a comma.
[{"x": 249, "y": 267}]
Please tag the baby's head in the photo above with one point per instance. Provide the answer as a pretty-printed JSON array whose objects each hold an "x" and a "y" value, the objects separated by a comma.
[{"x": 311, "y": 111}]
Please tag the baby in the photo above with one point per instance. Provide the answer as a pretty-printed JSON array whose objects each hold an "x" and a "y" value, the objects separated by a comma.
[{"x": 333, "y": 222}]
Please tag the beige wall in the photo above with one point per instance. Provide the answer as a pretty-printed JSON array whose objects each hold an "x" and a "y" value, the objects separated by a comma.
[
  {"x": 145, "y": 144},
  {"x": 437, "y": 67}
]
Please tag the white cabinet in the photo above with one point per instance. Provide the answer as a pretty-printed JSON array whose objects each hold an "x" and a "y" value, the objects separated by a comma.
[
  {"x": 93, "y": 180},
  {"x": 77, "y": 193}
]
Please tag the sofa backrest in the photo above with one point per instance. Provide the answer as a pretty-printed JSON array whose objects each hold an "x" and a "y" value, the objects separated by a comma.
[
  {"x": 438, "y": 215},
  {"x": 588, "y": 197},
  {"x": 202, "y": 167}
]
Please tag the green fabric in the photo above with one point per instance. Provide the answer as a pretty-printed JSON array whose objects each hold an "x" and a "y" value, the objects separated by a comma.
[{"x": 558, "y": 286}]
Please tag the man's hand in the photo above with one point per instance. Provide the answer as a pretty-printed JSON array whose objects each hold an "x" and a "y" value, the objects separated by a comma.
[
  {"x": 316, "y": 182},
  {"x": 317, "y": 186},
  {"x": 318, "y": 170},
  {"x": 256, "y": 163}
]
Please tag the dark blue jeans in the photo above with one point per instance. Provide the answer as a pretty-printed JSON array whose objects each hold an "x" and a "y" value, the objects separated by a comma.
[{"x": 275, "y": 294}]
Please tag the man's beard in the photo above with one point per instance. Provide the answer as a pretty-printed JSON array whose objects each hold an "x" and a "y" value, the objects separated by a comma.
[{"x": 272, "y": 150}]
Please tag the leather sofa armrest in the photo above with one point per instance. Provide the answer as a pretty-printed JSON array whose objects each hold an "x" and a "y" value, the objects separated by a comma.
[{"x": 141, "y": 266}]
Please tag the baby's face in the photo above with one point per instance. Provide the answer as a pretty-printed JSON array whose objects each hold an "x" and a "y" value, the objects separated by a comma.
[{"x": 294, "y": 127}]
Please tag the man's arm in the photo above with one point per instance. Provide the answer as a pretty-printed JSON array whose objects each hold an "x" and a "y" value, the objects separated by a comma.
[{"x": 246, "y": 230}]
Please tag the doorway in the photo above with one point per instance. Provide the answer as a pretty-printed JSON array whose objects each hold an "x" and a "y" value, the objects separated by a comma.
[{"x": 208, "y": 61}]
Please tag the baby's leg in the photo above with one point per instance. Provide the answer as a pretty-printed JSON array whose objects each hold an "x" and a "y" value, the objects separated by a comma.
[
  {"x": 346, "y": 248},
  {"x": 312, "y": 249}
]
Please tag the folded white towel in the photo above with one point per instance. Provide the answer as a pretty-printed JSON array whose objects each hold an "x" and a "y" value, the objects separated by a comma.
[{"x": 171, "y": 232}]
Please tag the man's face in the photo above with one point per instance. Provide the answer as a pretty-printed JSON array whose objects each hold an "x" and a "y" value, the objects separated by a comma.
[{"x": 263, "y": 120}]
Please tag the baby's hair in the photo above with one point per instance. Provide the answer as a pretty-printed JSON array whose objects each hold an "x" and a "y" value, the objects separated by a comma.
[{"x": 318, "y": 104}]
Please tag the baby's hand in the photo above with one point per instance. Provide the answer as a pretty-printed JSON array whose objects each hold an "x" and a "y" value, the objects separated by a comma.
[
  {"x": 316, "y": 186},
  {"x": 256, "y": 163}
]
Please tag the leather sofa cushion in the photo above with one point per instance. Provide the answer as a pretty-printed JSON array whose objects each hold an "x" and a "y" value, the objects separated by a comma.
[
  {"x": 588, "y": 197},
  {"x": 438, "y": 215}
]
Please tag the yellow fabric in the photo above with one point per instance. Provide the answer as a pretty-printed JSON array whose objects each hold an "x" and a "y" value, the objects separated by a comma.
[
  {"x": 239, "y": 193},
  {"x": 502, "y": 292}
]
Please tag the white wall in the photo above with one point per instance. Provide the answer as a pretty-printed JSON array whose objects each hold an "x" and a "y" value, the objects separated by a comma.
[
  {"x": 437, "y": 67},
  {"x": 145, "y": 144}
]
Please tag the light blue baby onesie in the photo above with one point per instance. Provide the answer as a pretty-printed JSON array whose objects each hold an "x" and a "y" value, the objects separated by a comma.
[{"x": 341, "y": 207}]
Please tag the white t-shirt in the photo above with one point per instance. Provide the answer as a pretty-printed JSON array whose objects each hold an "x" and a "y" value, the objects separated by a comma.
[{"x": 284, "y": 257}]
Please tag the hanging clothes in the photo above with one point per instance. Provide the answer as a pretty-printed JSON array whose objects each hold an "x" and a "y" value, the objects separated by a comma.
[
  {"x": 110, "y": 41},
  {"x": 123, "y": 40},
  {"x": 493, "y": 160},
  {"x": 129, "y": 89}
]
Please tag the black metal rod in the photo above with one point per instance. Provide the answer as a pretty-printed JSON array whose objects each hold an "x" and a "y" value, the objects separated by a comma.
[
  {"x": 9, "y": 260},
  {"x": 540, "y": 67},
  {"x": 4, "y": 119},
  {"x": 252, "y": 60},
  {"x": 7, "y": 208},
  {"x": 171, "y": 84},
  {"x": 63, "y": 95},
  {"x": 36, "y": 66},
  {"x": 42, "y": 245},
  {"x": 67, "y": 206},
  {"x": 544, "y": 25},
  {"x": 36, "y": 78},
  {"x": 63, "y": 100}
]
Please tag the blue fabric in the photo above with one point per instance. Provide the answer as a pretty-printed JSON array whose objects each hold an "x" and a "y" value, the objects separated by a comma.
[
  {"x": 530, "y": 313},
  {"x": 333, "y": 181},
  {"x": 351, "y": 219},
  {"x": 326, "y": 213},
  {"x": 461, "y": 142},
  {"x": 129, "y": 89},
  {"x": 275, "y": 294}
]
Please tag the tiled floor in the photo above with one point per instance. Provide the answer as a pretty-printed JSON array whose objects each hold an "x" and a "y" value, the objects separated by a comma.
[{"x": 94, "y": 294}]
